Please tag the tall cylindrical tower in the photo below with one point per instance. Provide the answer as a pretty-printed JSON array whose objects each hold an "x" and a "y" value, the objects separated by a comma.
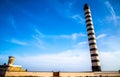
[
  {"x": 92, "y": 40},
  {"x": 11, "y": 60}
]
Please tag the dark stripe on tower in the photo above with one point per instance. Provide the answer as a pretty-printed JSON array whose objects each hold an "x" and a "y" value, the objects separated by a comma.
[
  {"x": 88, "y": 20},
  {"x": 94, "y": 54},
  {"x": 96, "y": 68},
  {"x": 95, "y": 60},
  {"x": 87, "y": 16},
  {"x": 90, "y": 34},
  {"x": 87, "y": 12},
  {"x": 92, "y": 41},
  {"x": 93, "y": 49},
  {"x": 89, "y": 24},
  {"x": 89, "y": 29}
]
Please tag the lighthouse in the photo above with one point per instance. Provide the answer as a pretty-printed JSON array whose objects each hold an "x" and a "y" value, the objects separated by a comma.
[{"x": 92, "y": 40}]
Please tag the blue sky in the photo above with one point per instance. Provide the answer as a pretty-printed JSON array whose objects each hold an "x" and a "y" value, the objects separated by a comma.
[{"x": 50, "y": 35}]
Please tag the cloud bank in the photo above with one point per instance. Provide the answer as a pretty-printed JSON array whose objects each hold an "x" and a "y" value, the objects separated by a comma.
[
  {"x": 113, "y": 18},
  {"x": 69, "y": 60}
]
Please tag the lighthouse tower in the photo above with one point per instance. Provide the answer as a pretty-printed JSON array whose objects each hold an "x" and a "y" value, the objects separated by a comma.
[
  {"x": 92, "y": 40},
  {"x": 11, "y": 60}
]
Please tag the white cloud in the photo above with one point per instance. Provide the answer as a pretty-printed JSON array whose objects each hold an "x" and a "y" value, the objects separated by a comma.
[
  {"x": 3, "y": 59},
  {"x": 11, "y": 20},
  {"x": 19, "y": 42},
  {"x": 110, "y": 8},
  {"x": 72, "y": 36},
  {"x": 80, "y": 45},
  {"x": 110, "y": 43},
  {"x": 113, "y": 16},
  {"x": 69, "y": 60},
  {"x": 78, "y": 18},
  {"x": 75, "y": 35},
  {"x": 38, "y": 38},
  {"x": 101, "y": 36},
  {"x": 110, "y": 60},
  {"x": 37, "y": 41},
  {"x": 38, "y": 33},
  {"x": 110, "y": 18},
  {"x": 70, "y": 4},
  {"x": 76, "y": 59}
]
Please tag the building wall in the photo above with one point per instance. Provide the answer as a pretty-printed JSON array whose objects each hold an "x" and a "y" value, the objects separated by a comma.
[
  {"x": 15, "y": 69},
  {"x": 105, "y": 74},
  {"x": 76, "y": 74},
  {"x": 34, "y": 74},
  {"x": 63, "y": 74}
]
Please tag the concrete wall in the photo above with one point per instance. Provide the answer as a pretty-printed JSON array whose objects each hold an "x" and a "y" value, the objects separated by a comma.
[
  {"x": 35, "y": 74},
  {"x": 107, "y": 74},
  {"x": 62, "y": 74},
  {"x": 76, "y": 74}
]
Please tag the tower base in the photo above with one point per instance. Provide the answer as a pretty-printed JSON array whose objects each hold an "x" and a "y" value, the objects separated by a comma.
[{"x": 96, "y": 68}]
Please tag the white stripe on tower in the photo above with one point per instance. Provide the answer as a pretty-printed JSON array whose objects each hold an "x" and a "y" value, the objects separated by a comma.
[{"x": 92, "y": 41}]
